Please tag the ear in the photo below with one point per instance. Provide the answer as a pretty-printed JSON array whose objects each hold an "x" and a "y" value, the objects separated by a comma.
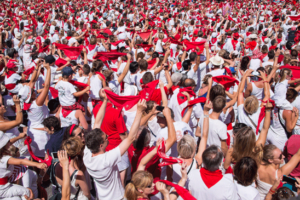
[
  {"x": 141, "y": 191},
  {"x": 52, "y": 128}
]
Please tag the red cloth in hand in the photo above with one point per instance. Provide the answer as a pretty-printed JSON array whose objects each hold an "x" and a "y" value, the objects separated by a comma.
[
  {"x": 262, "y": 114},
  {"x": 71, "y": 52},
  {"x": 120, "y": 102},
  {"x": 47, "y": 161},
  {"x": 192, "y": 103},
  {"x": 193, "y": 45},
  {"x": 226, "y": 81},
  {"x": 144, "y": 35},
  {"x": 182, "y": 98},
  {"x": 108, "y": 56},
  {"x": 79, "y": 85},
  {"x": 148, "y": 90},
  {"x": 166, "y": 160},
  {"x": 60, "y": 62},
  {"x": 54, "y": 92},
  {"x": 184, "y": 193},
  {"x": 295, "y": 18},
  {"x": 151, "y": 63}
]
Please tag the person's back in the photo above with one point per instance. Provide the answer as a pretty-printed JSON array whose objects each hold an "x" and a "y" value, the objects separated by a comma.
[
  {"x": 104, "y": 170},
  {"x": 208, "y": 183}
]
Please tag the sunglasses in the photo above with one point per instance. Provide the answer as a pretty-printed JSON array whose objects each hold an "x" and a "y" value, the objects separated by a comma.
[
  {"x": 149, "y": 186},
  {"x": 280, "y": 157}
]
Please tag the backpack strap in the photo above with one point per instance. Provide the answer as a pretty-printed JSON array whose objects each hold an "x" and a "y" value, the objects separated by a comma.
[
  {"x": 252, "y": 122},
  {"x": 288, "y": 134}
]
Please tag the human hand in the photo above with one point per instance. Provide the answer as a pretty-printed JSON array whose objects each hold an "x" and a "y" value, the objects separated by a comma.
[
  {"x": 63, "y": 159},
  {"x": 183, "y": 170},
  {"x": 162, "y": 188},
  {"x": 41, "y": 165},
  {"x": 16, "y": 100},
  {"x": 141, "y": 105},
  {"x": 207, "y": 107}
]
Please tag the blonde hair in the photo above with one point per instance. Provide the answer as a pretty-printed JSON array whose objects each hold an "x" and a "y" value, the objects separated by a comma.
[
  {"x": 251, "y": 104},
  {"x": 73, "y": 147},
  {"x": 140, "y": 180},
  {"x": 287, "y": 59},
  {"x": 283, "y": 73},
  {"x": 186, "y": 147}
]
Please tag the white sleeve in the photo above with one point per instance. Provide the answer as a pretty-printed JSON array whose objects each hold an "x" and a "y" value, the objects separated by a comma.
[
  {"x": 222, "y": 133},
  {"x": 114, "y": 156}
]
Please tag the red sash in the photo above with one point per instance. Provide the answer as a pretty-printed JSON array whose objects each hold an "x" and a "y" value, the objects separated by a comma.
[
  {"x": 210, "y": 178},
  {"x": 3, "y": 181}
]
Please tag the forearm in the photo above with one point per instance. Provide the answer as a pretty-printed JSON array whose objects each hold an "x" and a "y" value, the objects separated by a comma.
[
  {"x": 100, "y": 114},
  {"x": 134, "y": 128},
  {"x": 80, "y": 93},
  {"x": 146, "y": 159},
  {"x": 66, "y": 185},
  {"x": 164, "y": 97}
]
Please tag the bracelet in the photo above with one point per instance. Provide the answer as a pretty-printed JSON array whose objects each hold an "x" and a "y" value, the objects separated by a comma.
[
  {"x": 272, "y": 191},
  {"x": 265, "y": 81},
  {"x": 276, "y": 56},
  {"x": 268, "y": 110},
  {"x": 206, "y": 116}
]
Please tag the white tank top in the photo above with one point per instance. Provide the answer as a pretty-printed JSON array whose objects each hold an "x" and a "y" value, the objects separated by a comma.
[
  {"x": 90, "y": 53},
  {"x": 96, "y": 85},
  {"x": 69, "y": 120},
  {"x": 36, "y": 115},
  {"x": 257, "y": 92},
  {"x": 275, "y": 125}
]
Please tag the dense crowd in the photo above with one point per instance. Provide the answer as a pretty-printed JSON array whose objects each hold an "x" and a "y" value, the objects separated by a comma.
[{"x": 139, "y": 100}]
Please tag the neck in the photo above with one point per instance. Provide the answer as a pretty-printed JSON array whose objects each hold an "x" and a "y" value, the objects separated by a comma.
[
  {"x": 2, "y": 117},
  {"x": 214, "y": 115},
  {"x": 99, "y": 153}
]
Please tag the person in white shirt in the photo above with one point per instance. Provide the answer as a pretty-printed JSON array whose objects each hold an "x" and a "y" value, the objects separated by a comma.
[
  {"x": 217, "y": 129},
  {"x": 101, "y": 165},
  {"x": 245, "y": 184},
  {"x": 203, "y": 187},
  {"x": 217, "y": 63}
]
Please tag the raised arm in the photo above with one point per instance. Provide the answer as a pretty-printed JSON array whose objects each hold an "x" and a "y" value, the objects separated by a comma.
[
  {"x": 126, "y": 68},
  {"x": 4, "y": 126},
  {"x": 203, "y": 142},
  {"x": 171, "y": 129},
  {"x": 40, "y": 100},
  {"x": 163, "y": 94},
  {"x": 100, "y": 115},
  {"x": 240, "y": 99},
  {"x": 264, "y": 131},
  {"x": 66, "y": 182},
  {"x": 141, "y": 106},
  {"x": 291, "y": 164}
]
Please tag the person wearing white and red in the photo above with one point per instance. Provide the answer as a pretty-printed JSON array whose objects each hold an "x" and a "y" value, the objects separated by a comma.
[{"x": 209, "y": 182}]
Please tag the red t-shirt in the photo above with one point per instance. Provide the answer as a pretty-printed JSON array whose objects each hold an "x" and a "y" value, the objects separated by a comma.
[
  {"x": 135, "y": 157},
  {"x": 113, "y": 125}
]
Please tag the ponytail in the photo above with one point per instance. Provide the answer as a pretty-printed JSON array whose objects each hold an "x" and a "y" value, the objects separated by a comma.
[
  {"x": 97, "y": 65},
  {"x": 283, "y": 73},
  {"x": 131, "y": 192}
]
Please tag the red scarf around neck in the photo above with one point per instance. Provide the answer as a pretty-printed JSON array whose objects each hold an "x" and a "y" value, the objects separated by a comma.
[{"x": 210, "y": 178}]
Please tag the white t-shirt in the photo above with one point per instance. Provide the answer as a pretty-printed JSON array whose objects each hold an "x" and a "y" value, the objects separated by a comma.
[
  {"x": 243, "y": 117},
  {"x": 103, "y": 168},
  {"x": 181, "y": 128},
  {"x": 254, "y": 64},
  {"x": 217, "y": 72},
  {"x": 217, "y": 131},
  {"x": 264, "y": 64},
  {"x": 225, "y": 189},
  {"x": 247, "y": 192},
  {"x": 65, "y": 93}
]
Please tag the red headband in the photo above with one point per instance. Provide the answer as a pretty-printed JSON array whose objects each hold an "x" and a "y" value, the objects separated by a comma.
[{"x": 71, "y": 129}]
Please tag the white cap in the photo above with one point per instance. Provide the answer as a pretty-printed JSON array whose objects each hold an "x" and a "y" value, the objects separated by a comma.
[
  {"x": 25, "y": 94},
  {"x": 267, "y": 40},
  {"x": 3, "y": 139}
]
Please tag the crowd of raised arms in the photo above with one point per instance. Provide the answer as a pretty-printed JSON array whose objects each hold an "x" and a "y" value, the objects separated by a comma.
[{"x": 137, "y": 100}]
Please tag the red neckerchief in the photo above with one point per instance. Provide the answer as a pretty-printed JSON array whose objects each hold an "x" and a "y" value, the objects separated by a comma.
[
  {"x": 210, "y": 178},
  {"x": 179, "y": 65},
  {"x": 272, "y": 47},
  {"x": 251, "y": 45},
  {"x": 213, "y": 40},
  {"x": 248, "y": 33},
  {"x": 91, "y": 47},
  {"x": 263, "y": 56},
  {"x": 9, "y": 73},
  {"x": 279, "y": 40},
  {"x": 69, "y": 37},
  {"x": 182, "y": 98},
  {"x": 234, "y": 43}
]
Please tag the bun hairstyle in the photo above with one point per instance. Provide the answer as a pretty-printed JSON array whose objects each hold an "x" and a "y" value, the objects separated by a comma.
[
  {"x": 140, "y": 180},
  {"x": 97, "y": 65},
  {"x": 251, "y": 104}
]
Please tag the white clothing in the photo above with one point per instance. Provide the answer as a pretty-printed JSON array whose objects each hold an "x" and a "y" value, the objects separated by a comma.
[
  {"x": 247, "y": 192},
  {"x": 96, "y": 85},
  {"x": 254, "y": 64},
  {"x": 103, "y": 168},
  {"x": 65, "y": 93},
  {"x": 154, "y": 128},
  {"x": 68, "y": 120},
  {"x": 280, "y": 95},
  {"x": 217, "y": 131},
  {"x": 224, "y": 189}
]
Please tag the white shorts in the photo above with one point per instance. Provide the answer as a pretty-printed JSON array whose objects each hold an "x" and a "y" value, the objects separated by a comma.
[{"x": 124, "y": 163}]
